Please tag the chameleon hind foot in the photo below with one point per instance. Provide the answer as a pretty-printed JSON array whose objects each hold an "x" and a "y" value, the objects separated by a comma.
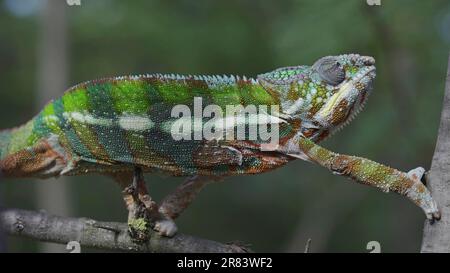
[
  {"x": 144, "y": 212},
  {"x": 138, "y": 203},
  {"x": 420, "y": 195},
  {"x": 138, "y": 228},
  {"x": 165, "y": 227},
  {"x": 138, "y": 223}
]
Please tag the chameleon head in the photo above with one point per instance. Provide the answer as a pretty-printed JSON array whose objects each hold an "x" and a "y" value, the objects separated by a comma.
[
  {"x": 348, "y": 80},
  {"x": 326, "y": 95}
]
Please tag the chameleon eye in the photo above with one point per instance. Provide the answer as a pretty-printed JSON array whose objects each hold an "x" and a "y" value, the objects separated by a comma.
[{"x": 330, "y": 70}]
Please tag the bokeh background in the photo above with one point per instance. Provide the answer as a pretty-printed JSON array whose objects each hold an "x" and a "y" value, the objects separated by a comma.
[{"x": 48, "y": 46}]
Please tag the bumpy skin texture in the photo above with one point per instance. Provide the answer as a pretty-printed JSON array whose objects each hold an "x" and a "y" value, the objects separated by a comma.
[{"x": 113, "y": 126}]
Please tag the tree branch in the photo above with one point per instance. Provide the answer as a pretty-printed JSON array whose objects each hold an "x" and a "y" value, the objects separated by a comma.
[
  {"x": 436, "y": 237},
  {"x": 103, "y": 235}
]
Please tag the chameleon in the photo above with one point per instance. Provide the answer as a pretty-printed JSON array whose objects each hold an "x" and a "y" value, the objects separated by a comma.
[{"x": 121, "y": 127}]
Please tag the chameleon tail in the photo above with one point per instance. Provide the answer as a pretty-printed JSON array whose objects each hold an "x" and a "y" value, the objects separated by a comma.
[{"x": 26, "y": 154}]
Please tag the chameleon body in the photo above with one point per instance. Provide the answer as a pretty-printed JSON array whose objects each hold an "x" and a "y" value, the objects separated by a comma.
[{"x": 121, "y": 127}]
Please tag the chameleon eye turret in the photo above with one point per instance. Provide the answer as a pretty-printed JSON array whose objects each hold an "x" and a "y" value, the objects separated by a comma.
[{"x": 330, "y": 70}]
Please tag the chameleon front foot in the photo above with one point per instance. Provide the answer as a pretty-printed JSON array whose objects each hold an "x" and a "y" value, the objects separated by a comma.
[
  {"x": 139, "y": 228},
  {"x": 137, "y": 201},
  {"x": 421, "y": 196}
]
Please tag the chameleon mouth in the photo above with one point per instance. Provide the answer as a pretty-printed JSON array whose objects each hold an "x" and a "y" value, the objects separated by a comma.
[{"x": 367, "y": 71}]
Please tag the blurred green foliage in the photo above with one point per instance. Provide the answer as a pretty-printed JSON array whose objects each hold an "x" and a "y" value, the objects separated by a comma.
[{"x": 276, "y": 211}]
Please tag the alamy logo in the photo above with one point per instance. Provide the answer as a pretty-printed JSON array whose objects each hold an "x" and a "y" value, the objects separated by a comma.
[
  {"x": 74, "y": 247},
  {"x": 237, "y": 122},
  {"x": 374, "y": 247},
  {"x": 73, "y": 2},
  {"x": 373, "y": 2}
]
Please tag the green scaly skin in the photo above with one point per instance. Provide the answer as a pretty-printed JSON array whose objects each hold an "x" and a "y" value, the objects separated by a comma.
[{"x": 114, "y": 125}]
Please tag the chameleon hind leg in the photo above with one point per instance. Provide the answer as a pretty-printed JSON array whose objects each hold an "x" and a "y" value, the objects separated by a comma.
[
  {"x": 138, "y": 218},
  {"x": 142, "y": 210},
  {"x": 176, "y": 202},
  {"x": 371, "y": 173},
  {"x": 159, "y": 222}
]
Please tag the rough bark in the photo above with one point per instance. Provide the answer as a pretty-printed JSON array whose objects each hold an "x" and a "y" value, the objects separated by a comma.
[
  {"x": 436, "y": 237},
  {"x": 102, "y": 235}
]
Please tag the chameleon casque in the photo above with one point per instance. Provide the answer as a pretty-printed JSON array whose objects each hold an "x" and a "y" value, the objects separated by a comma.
[{"x": 120, "y": 127}]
